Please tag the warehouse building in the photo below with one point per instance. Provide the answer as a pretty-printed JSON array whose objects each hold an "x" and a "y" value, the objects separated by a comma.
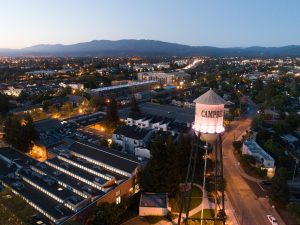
[
  {"x": 124, "y": 89},
  {"x": 74, "y": 179}
]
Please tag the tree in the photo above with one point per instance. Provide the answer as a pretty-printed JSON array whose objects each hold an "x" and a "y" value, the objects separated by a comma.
[
  {"x": 184, "y": 149},
  {"x": 115, "y": 146},
  {"x": 295, "y": 88},
  {"x": 112, "y": 115},
  {"x": 4, "y": 105},
  {"x": 89, "y": 81},
  {"x": 134, "y": 105},
  {"x": 279, "y": 189},
  {"x": 294, "y": 209},
  {"x": 258, "y": 85},
  {"x": 248, "y": 159},
  {"x": 20, "y": 132},
  {"x": 293, "y": 120},
  {"x": 262, "y": 136},
  {"x": 104, "y": 142},
  {"x": 270, "y": 90},
  {"x": 65, "y": 91},
  {"x": 97, "y": 102},
  {"x": 279, "y": 101},
  {"x": 46, "y": 105},
  {"x": 67, "y": 108},
  {"x": 257, "y": 122},
  {"x": 23, "y": 96},
  {"x": 237, "y": 145},
  {"x": 108, "y": 214},
  {"x": 52, "y": 109},
  {"x": 162, "y": 174},
  {"x": 260, "y": 97}
]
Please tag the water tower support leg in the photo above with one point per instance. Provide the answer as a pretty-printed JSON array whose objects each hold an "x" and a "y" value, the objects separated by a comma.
[
  {"x": 222, "y": 179},
  {"x": 215, "y": 146}
]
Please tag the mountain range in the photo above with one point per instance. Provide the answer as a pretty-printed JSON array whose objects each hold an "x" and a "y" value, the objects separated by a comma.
[{"x": 132, "y": 47}]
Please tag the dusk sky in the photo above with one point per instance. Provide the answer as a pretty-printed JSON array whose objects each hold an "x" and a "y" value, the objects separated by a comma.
[{"x": 221, "y": 23}]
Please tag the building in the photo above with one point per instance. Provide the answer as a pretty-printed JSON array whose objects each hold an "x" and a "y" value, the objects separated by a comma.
[
  {"x": 71, "y": 181},
  {"x": 250, "y": 147},
  {"x": 132, "y": 137},
  {"x": 124, "y": 89},
  {"x": 173, "y": 78},
  {"x": 159, "y": 123},
  {"x": 73, "y": 86},
  {"x": 12, "y": 91},
  {"x": 37, "y": 108},
  {"x": 147, "y": 126},
  {"x": 153, "y": 204},
  {"x": 148, "y": 121},
  {"x": 143, "y": 96}
]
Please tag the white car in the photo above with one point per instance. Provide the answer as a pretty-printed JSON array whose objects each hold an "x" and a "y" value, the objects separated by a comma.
[{"x": 272, "y": 220}]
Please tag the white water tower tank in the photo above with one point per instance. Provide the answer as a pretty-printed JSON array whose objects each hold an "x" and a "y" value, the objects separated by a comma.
[{"x": 209, "y": 116}]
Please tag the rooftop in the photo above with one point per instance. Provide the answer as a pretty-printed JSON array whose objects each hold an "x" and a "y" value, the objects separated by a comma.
[
  {"x": 17, "y": 157},
  {"x": 256, "y": 149},
  {"x": 110, "y": 157},
  {"x": 158, "y": 200},
  {"x": 49, "y": 184},
  {"x": 68, "y": 180},
  {"x": 210, "y": 98},
  {"x": 47, "y": 124},
  {"x": 185, "y": 115},
  {"x": 31, "y": 193},
  {"x": 123, "y": 86},
  {"x": 133, "y": 132}
]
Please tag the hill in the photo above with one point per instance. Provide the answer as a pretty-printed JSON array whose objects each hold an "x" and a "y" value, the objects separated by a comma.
[{"x": 146, "y": 48}]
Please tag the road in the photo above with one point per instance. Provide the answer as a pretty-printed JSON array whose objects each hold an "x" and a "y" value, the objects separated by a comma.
[{"x": 249, "y": 209}]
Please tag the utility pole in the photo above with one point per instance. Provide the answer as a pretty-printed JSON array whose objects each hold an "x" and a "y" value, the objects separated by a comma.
[{"x": 295, "y": 168}]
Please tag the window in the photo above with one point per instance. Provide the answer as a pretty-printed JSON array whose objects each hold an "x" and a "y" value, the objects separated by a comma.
[
  {"x": 118, "y": 200},
  {"x": 118, "y": 192}
]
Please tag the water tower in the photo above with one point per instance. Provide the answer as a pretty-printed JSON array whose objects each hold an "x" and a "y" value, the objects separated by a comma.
[{"x": 208, "y": 126}]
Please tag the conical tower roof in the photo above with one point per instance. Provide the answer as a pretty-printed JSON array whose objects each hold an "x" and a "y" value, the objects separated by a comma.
[{"x": 210, "y": 98}]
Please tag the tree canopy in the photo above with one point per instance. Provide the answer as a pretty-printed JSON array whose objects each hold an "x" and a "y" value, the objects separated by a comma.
[
  {"x": 20, "y": 132},
  {"x": 108, "y": 214},
  {"x": 279, "y": 189},
  {"x": 161, "y": 174},
  {"x": 168, "y": 164},
  {"x": 112, "y": 115},
  {"x": 4, "y": 104},
  {"x": 134, "y": 105}
]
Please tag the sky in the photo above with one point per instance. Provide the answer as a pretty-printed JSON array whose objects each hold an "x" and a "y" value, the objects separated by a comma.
[{"x": 220, "y": 23}]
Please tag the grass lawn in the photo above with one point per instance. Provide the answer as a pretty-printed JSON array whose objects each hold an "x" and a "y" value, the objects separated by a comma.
[
  {"x": 14, "y": 210},
  {"x": 195, "y": 200},
  {"x": 207, "y": 213}
]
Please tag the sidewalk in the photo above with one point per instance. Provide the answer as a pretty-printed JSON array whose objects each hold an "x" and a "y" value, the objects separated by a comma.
[
  {"x": 205, "y": 201},
  {"x": 231, "y": 218},
  {"x": 241, "y": 171},
  {"x": 230, "y": 213}
]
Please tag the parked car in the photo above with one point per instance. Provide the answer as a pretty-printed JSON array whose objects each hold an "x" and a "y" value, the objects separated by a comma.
[{"x": 272, "y": 220}]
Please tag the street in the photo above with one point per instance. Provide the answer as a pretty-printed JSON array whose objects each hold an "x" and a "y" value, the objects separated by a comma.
[{"x": 249, "y": 208}]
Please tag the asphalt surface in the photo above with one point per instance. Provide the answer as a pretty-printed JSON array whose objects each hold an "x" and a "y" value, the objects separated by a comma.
[
  {"x": 179, "y": 114},
  {"x": 247, "y": 198}
]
